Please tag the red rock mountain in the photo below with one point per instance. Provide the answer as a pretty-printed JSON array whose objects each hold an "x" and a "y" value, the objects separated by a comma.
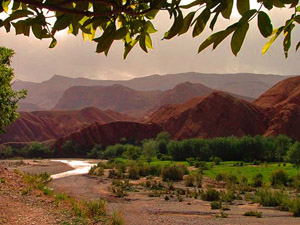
[
  {"x": 46, "y": 125},
  {"x": 123, "y": 99},
  {"x": 281, "y": 105},
  {"x": 219, "y": 114},
  {"x": 110, "y": 133}
]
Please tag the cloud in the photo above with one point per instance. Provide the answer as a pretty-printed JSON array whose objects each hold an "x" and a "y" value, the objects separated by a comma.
[{"x": 74, "y": 58}]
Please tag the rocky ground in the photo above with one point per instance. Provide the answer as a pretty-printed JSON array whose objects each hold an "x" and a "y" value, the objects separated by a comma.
[{"x": 18, "y": 208}]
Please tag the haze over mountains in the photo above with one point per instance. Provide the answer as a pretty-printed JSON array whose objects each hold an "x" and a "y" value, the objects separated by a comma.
[
  {"x": 126, "y": 100},
  {"x": 47, "y": 94}
]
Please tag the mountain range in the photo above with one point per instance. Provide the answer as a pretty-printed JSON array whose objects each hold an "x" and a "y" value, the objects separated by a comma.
[
  {"x": 46, "y": 95},
  {"x": 214, "y": 114},
  {"x": 126, "y": 100}
]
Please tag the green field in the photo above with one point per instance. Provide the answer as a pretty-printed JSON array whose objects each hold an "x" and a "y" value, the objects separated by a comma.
[{"x": 249, "y": 170}]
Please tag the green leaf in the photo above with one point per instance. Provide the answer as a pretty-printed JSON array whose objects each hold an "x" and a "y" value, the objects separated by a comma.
[
  {"x": 287, "y": 39},
  {"x": 176, "y": 27},
  {"x": 5, "y": 5},
  {"x": 297, "y": 19},
  {"x": 150, "y": 28},
  {"x": 298, "y": 45},
  {"x": 120, "y": 33},
  {"x": 128, "y": 47},
  {"x": 210, "y": 40},
  {"x": 224, "y": 34},
  {"x": 187, "y": 22},
  {"x": 142, "y": 42},
  {"x": 148, "y": 41},
  {"x": 152, "y": 14},
  {"x": 238, "y": 38},
  {"x": 214, "y": 20},
  {"x": 22, "y": 27},
  {"x": 37, "y": 30},
  {"x": 243, "y": 6},
  {"x": 19, "y": 14},
  {"x": 192, "y": 4},
  {"x": 298, "y": 9},
  {"x": 226, "y": 13},
  {"x": 264, "y": 24},
  {"x": 62, "y": 22},
  {"x": 53, "y": 43},
  {"x": 276, "y": 33},
  {"x": 201, "y": 22}
]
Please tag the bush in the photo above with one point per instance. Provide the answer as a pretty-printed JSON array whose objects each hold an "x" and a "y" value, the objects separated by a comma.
[
  {"x": 295, "y": 207},
  {"x": 296, "y": 181},
  {"x": 279, "y": 177},
  {"x": 96, "y": 208},
  {"x": 133, "y": 173},
  {"x": 6, "y": 152},
  {"x": 193, "y": 180},
  {"x": 253, "y": 213},
  {"x": 210, "y": 195},
  {"x": 173, "y": 173},
  {"x": 258, "y": 180},
  {"x": 117, "y": 218},
  {"x": 268, "y": 197},
  {"x": 216, "y": 205},
  {"x": 96, "y": 152}
]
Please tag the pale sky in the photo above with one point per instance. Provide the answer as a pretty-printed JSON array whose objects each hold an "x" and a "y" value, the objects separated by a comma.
[{"x": 74, "y": 58}]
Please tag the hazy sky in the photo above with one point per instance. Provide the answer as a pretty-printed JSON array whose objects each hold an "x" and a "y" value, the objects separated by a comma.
[{"x": 74, "y": 58}]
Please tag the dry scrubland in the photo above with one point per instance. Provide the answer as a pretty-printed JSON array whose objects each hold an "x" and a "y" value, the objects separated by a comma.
[{"x": 165, "y": 192}]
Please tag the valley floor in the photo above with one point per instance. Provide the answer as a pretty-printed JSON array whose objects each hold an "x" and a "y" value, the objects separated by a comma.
[{"x": 137, "y": 208}]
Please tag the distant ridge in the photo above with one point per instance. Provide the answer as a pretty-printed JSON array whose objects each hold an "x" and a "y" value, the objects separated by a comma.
[
  {"x": 47, "y": 94},
  {"x": 123, "y": 99}
]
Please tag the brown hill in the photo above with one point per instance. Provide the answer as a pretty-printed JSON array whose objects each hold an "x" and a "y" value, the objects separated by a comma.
[
  {"x": 281, "y": 105},
  {"x": 123, "y": 99},
  {"x": 46, "y": 94},
  {"x": 110, "y": 133},
  {"x": 116, "y": 97},
  {"x": 46, "y": 125},
  {"x": 218, "y": 114}
]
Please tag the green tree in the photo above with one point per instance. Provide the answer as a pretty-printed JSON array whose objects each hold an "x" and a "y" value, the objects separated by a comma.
[
  {"x": 8, "y": 97},
  {"x": 131, "y": 21},
  {"x": 293, "y": 154}
]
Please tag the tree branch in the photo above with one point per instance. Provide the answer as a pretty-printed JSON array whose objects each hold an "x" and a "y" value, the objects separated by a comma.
[{"x": 57, "y": 8}]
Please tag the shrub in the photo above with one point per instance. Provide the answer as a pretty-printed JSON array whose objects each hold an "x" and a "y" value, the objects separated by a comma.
[
  {"x": 216, "y": 205},
  {"x": 96, "y": 152},
  {"x": 279, "y": 177},
  {"x": 133, "y": 173},
  {"x": 228, "y": 196},
  {"x": 296, "y": 181},
  {"x": 96, "y": 170},
  {"x": 193, "y": 180},
  {"x": 117, "y": 218},
  {"x": 173, "y": 173},
  {"x": 258, "y": 180},
  {"x": 96, "y": 208},
  {"x": 295, "y": 207},
  {"x": 217, "y": 160},
  {"x": 179, "y": 198},
  {"x": 166, "y": 198},
  {"x": 268, "y": 197},
  {"x": 253, "y": 213},
  {"x": 6, "y": 152},
  {"x": 210, "y": 195}
]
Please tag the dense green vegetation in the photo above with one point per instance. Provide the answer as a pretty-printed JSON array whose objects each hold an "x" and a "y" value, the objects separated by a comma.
[{"x": 8, "y": 97}]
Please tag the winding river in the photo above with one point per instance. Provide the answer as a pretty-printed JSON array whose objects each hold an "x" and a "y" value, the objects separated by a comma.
[{"x": 80, "y": 167}]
